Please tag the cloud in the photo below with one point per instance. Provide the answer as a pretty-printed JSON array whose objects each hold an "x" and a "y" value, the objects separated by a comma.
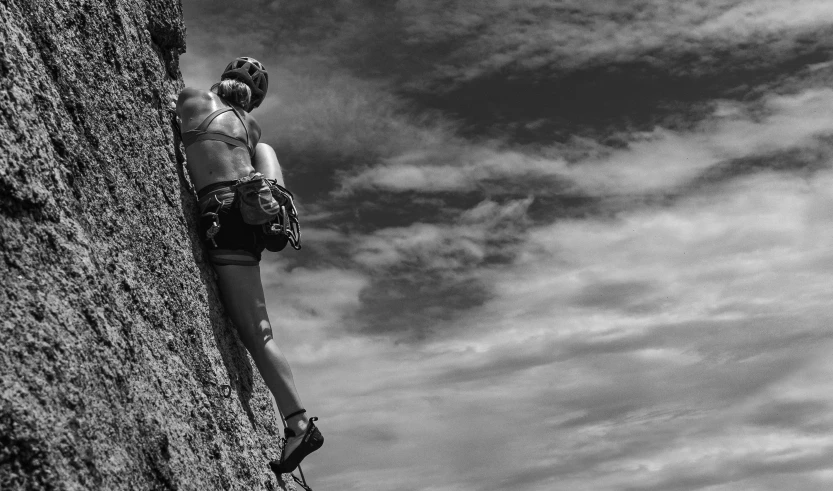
[
  {"x": 715, "y": 311},
  {"x": 541, "y": 71},
  {"x": 662, "y": 161},
  {"x": 465, "y": 169},
  {"x": 337, "y": 129},
  {"x": 545, "y": 71},
  {"x": 759, "y": 224},
  {"x": 460, "y": 40},
  {"x": 426, "y": 280},
  {"x": 310, "y": 304},
  {"x": 652, "y": 350},
  {"x": 425, "y": 275},
  {"x": 668, "y": 386},
  {"x": 553, "y": 245},
  {"x": 746, "y": 18}
]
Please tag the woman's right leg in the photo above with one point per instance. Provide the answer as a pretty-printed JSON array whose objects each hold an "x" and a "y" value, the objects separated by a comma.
[{"x": 242, "y": 293}]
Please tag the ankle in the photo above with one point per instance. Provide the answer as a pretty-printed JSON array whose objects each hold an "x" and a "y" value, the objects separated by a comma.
[
  {"x": 299, "y": 427},
  {"x": 297, "y": 422}
]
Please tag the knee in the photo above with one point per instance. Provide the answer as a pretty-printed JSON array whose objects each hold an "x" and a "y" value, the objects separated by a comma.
[
  {"x": 257, "y": 334},
  {"x": 264, "y": 330}
]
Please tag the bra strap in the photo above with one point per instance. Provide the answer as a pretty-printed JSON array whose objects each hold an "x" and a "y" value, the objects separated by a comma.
[
  {"x": 213, "y": 135},
  {"x": 246, "y": 129},
  {"x": 190, "y": 136},
  {"x": 207, "y": 121}
]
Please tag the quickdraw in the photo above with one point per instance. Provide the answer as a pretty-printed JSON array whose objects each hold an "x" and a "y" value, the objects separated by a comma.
[
  {"x": 286, "y": 222},
  {"x": 211, "y": 208}
]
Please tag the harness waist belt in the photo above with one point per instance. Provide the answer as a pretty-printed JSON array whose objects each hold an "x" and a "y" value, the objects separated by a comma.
[{"x": 213, "y": 187}]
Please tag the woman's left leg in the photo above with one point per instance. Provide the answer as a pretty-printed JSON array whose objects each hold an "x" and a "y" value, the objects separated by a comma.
[{"x": 243, "y": 297}]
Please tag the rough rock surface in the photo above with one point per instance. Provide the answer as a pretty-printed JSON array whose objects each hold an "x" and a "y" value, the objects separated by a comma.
[{"x": 113, "y": 348}]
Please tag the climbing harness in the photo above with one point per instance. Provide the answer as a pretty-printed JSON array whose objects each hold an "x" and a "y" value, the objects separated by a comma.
[
  {"x": 264, "y": 201},
  {"x": 261, "y": 201}
]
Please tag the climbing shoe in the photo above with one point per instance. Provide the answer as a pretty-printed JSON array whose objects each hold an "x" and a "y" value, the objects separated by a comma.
[{"x": 311, "y": 441}]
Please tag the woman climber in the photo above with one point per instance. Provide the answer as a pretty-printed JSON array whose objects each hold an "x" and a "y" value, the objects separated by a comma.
[{"x": 245, "y": 209}]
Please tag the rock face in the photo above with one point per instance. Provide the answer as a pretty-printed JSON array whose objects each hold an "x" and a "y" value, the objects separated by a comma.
[{"x": 114, "y": 350}]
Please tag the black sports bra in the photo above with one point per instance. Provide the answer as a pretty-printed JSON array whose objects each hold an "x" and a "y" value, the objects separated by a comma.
[{"x": 200, "y": 133}]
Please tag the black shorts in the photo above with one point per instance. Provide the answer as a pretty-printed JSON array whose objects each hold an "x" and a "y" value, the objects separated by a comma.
[{"x": 236, "y": 242}]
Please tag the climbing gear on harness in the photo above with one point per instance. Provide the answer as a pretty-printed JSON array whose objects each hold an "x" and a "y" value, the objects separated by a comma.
[
  {"x": 201, "y": 132},
  {"x": 255, "y": 199},
  {"x": 284, "y": 227},
  {"x": 260, "y": 201},
  {"x": 212, "y": 199},
  {"x": 312, "y": 441},
  {"x": 252, "y": 73}
]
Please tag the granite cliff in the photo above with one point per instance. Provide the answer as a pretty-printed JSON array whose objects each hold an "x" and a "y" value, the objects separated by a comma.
[{"x": 119, "y": 368}]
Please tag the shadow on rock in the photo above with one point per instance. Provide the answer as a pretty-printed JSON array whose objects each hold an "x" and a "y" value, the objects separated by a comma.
[{"x": 233, "y": 353}]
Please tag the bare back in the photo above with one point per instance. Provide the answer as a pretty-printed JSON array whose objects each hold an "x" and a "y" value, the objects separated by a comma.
[{"x": 212, "y": 161}]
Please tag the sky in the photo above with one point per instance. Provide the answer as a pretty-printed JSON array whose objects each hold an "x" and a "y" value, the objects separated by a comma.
[{"x": 550, "y": 244}]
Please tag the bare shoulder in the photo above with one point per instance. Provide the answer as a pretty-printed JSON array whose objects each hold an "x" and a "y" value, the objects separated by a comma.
[
  {"x": 190, "y": 96},
  {"x": 190, "y": 92}
]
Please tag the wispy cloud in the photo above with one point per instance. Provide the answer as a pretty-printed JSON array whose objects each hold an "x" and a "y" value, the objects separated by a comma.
[
  {"x": 617, "y": 333},
  {"x": 655, "y": 350},
  {"x": 657, "y": 161}
]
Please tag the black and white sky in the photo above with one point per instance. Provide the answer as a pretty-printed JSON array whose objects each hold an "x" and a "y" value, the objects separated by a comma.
[{"x": 551, "y": 244}]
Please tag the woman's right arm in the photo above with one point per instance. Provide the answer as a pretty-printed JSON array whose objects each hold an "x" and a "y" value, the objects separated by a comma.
[{"x": 266, "y": 162}]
